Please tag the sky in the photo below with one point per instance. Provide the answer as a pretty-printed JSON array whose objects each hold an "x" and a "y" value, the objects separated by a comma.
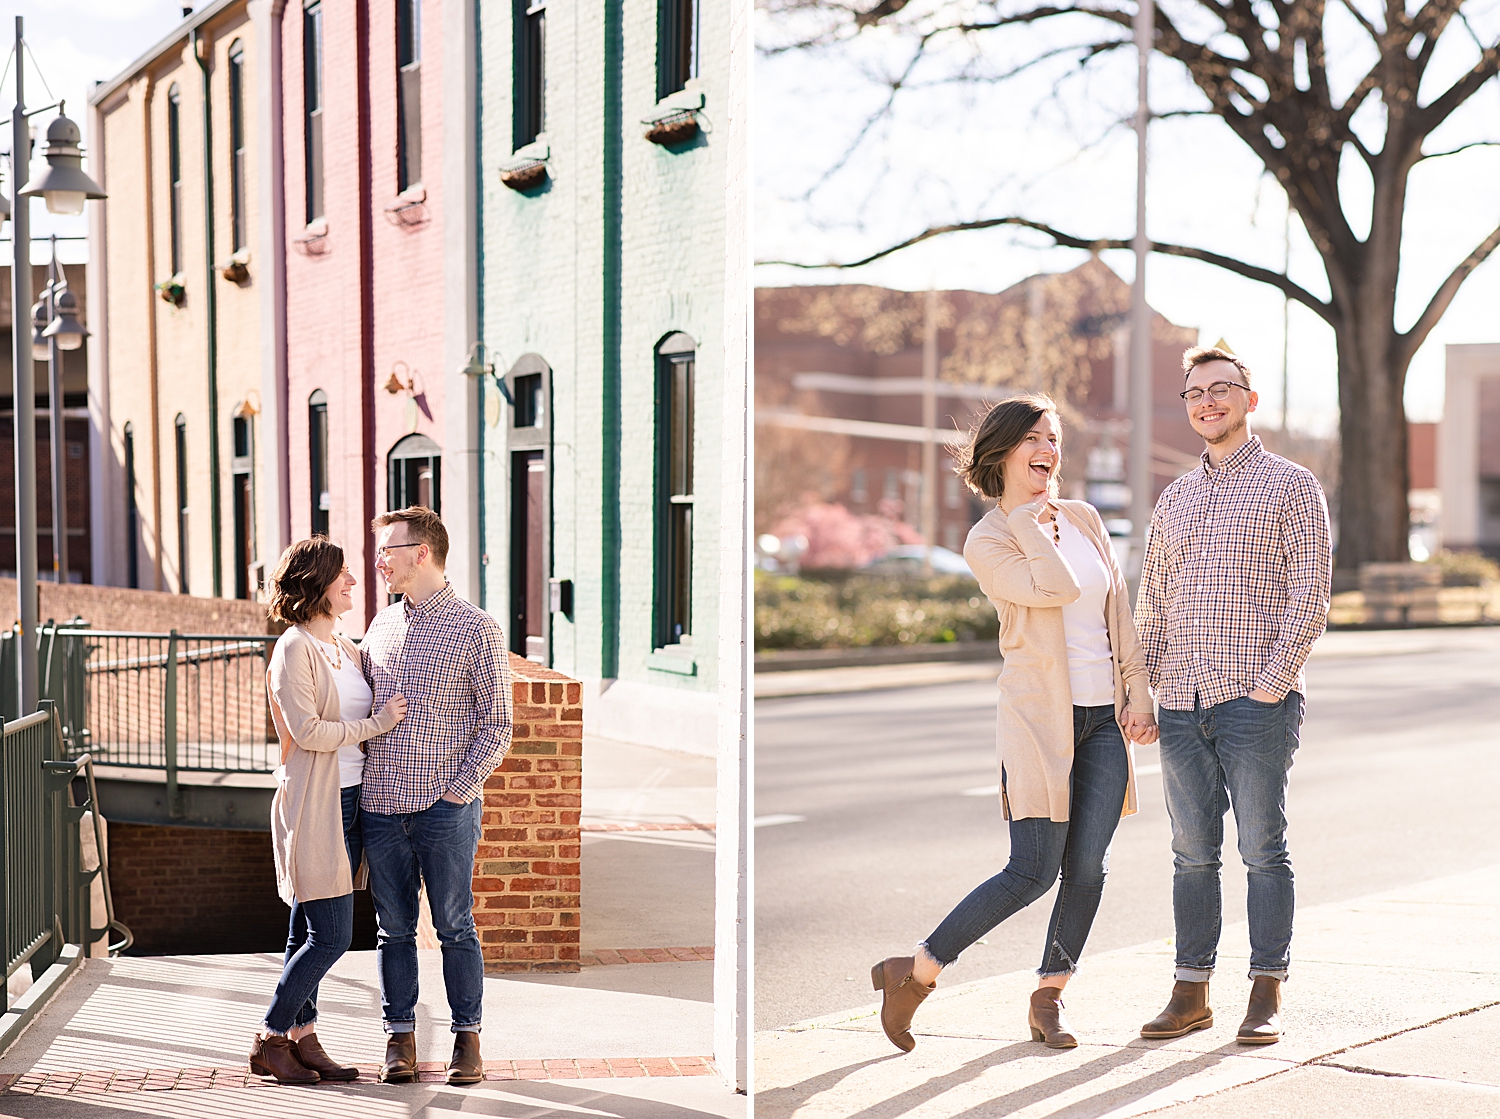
[
  {"x": 958, "y": 152},
  {"x": 74, "y": 44}
]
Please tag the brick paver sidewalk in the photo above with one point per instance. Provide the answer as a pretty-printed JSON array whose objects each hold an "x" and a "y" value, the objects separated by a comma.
[{"x": 115, "y": 1081}]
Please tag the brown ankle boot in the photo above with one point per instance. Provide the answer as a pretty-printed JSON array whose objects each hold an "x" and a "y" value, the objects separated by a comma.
[
  {"x": 900, "y": 997},
  {"x": 274, "y": 1056},
  {"x": 1262, "y": 1024},
  {"x": 1046, "y": 1019},
  {"x": 400, "y": 1058},
  {"x": 467, "y": 1066},
  {"x": 310, "y": 1052},
  {"x": 1187, "y": 1011}
]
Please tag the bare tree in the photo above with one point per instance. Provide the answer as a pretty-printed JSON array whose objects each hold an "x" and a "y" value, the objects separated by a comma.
[{"x": 1261, "y": 67}]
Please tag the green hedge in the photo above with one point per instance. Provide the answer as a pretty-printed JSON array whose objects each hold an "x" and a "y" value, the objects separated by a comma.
[{"x": 835, "y": 611}]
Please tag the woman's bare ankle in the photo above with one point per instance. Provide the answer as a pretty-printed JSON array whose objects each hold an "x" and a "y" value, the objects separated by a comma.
[{"x": 925, "y": 967}]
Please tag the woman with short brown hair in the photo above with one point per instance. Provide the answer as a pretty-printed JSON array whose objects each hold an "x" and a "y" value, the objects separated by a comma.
[
  {"x": 320, "y": 703},
  {"x": 1073, "y": 680}
]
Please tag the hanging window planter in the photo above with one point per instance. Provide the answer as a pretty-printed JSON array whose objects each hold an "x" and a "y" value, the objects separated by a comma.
[
  {"x": 526, "y": 175},
  {"x": 173, "y": 290},
  {"x": 675, "y": 128}
]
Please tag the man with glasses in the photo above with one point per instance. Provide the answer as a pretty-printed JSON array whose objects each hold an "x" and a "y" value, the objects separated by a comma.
[
  {"x": 421, "y": 802},
  {"x": 1234, "y": 591}
]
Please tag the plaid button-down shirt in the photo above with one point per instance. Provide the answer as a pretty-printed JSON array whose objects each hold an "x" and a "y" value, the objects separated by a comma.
[
  {"x": 448, "y": 659},
  {"x": 1236, "y": 580}
]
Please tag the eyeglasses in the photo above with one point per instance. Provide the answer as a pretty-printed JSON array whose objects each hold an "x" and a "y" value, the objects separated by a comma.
[
  {"x": 1219, "y": 390},
  {"x": 385, "y": 552}
]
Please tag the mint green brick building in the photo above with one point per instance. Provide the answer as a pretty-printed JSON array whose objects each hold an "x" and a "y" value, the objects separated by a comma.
[{"x": 600, "y": 273}]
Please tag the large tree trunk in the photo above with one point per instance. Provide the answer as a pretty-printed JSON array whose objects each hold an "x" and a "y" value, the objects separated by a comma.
[{"x": 1373, "y": 517}]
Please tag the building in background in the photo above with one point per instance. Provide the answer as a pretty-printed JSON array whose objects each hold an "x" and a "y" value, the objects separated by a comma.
[
  {"x": 602, "y": 299},
  {"x": 362, "y": 215},
  {"x": 839, "y": 384},
  {"x": 179, "y": 321},
  {"x": 1468, "y": 456}
]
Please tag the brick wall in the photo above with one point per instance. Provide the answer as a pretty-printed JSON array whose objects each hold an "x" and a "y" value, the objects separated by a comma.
[
  {"x": 119, "y": 608},
  {"x": 527, "y": 873},
  {"x": 195, "y": 889}
]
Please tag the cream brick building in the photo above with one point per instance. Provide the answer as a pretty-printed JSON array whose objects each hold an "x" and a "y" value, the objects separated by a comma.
[{"x": 176, "y": 370}]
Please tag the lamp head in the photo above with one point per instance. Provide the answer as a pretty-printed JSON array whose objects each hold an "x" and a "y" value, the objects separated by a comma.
[
  {"x": 65, "y": 327},
  {"x": 63, "y": 184},
  {"x": 475, "y": 366},
  {"x": 39, "y": 349}
]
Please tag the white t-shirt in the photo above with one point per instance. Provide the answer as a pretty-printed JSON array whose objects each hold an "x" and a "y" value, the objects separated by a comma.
[
  {"x": 1091, "y": 668},
  {"x": 355, "y": 701}
]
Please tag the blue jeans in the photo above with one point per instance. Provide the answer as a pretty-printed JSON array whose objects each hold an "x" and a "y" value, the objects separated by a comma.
[
  {"x": 435, "y": 847},
  {"x": 1040, "y": 849},
  {"x": 318, "y": 934},
  {"x": 1235, "y": 753}
]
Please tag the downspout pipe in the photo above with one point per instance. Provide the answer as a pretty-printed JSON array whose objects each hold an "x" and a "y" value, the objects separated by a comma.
[{"x": 211, "y": 305}]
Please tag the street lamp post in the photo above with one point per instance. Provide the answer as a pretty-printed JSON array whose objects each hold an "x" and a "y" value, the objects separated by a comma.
[
  {"x": 1141, "y": 402},
  {"x": 55, "y": 318},
  {"x": 65, "y": 187}
]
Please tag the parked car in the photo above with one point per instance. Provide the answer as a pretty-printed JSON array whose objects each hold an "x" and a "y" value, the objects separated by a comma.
[{"x": 906, "y": 559}]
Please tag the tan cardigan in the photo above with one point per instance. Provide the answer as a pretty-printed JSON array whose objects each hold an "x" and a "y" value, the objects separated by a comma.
[
  {"x": 307, "y": 827},
  {"x": 1026, "y": 577}
]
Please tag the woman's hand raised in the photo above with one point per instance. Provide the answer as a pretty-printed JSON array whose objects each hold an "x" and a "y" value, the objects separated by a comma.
[{"x": 396, "y": 706}]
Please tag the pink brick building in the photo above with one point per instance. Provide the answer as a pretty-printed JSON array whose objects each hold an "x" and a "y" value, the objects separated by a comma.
[{"x": 361, "y": 105}]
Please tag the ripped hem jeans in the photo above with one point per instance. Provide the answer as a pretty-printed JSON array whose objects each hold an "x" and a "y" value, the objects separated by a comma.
[{"x": 1043, "y": 850}]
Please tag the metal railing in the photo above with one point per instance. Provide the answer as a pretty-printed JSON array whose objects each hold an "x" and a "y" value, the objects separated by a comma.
[{"x": 45, "y": 883}]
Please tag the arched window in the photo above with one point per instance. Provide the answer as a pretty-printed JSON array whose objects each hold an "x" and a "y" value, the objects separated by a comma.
[
  {"x": 415, "y": 474},
  {"x": 174, "y": 173},
  {"x": 242, "y": 481},
  {"x": 181, "y": 456},
  {"x": 408, "y": 93},
  {"x": 132, "y": 513},
  {"x": 312, "y": 108},
  {"x": 317, "y": 455},
  {"x": 674, "y": 489},
  {"x": 237, "y": 202}
]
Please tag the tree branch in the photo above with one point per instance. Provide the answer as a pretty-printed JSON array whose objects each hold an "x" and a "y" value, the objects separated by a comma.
[
  {"x": 1068, "y": 241},
  {"x": 1460, "y": 148},
  {"x": 1438, "y": 304}
]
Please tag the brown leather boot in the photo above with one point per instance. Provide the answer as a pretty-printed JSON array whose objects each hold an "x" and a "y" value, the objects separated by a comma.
[
  {"x": 1187, "y": 1011},
  {"x": 400, "y": 1058},
  {"x": 1046, "y": 1019},
  {"x": 310, "y": 1053},
  {"x": 900, "y": 997},
  {"x": 1262, "y": 1024},
  {"x": 274, "y": 1056},
  {"x": 467, "y": 1066}
]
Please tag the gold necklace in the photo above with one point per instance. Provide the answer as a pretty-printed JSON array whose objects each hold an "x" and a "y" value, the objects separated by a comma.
[{"x": 336, "y": 665}]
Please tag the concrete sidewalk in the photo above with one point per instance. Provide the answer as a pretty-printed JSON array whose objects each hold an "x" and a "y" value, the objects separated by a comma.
[
  {"x": 168, "y": 1036},
  {"x": 1393, "y": 1010}
]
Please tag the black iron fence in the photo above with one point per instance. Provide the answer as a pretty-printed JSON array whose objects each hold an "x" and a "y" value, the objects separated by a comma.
[{"x": 170, "y": 702}]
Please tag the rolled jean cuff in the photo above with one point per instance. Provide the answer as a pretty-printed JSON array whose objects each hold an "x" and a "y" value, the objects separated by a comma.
[
  {"x": 1257, "y": 972},
  {"x": 400, "y": 1027},
  {"x": 471, "y": 1029},
  {"x": 1185, "y": 974}
]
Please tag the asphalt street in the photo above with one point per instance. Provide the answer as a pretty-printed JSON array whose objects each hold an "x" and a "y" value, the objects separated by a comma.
[{"x": 1395, "y": 783}]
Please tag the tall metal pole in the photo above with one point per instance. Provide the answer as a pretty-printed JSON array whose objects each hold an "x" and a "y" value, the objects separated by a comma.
[
  {"x": 929, "y": 429},
  {"x": 24, "y": 394},
  {"x": 1286, "y": 314},
  {"x": 59, "y": 445},
  {"x": 1141, "y": 482}
]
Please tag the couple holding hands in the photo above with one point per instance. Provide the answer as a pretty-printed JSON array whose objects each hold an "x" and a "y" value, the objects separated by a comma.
[
  {"x": 385, "y": 749},
  {"x": 1234, "y": 591}
]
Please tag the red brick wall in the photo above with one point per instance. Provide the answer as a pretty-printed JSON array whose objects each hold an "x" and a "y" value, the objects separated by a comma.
[
  {"x": 119, "y": 608},
  {"x": 527, "y": 871},
  {"x": 189, "y": 890}
]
